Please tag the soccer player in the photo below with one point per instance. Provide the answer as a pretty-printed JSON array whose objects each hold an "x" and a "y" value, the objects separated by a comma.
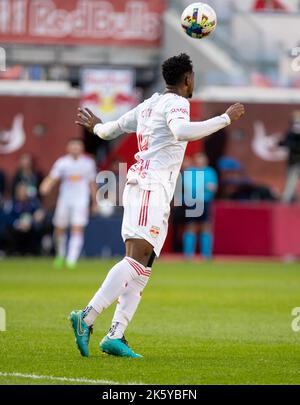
[
  {"x": 163, "y": 128},
  {"x": 202, "y": 224},
  {"x": 77, "y": 176}
]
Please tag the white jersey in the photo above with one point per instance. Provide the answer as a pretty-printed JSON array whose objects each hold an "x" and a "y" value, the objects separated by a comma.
[
  {"x": 75, "y": 176},
  {"x": 160, "y": 155},
  {"x": 163, "y": 128}
]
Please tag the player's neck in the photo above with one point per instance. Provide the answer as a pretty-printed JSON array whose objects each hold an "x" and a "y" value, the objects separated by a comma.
[
  {"x": 75, "y": 157},
  {"x": 174, "y": 90}
]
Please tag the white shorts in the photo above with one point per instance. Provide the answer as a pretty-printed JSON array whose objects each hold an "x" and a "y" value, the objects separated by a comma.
[
  {"x": 146, "y": 214},
  {"x": 67, "y": 214}
]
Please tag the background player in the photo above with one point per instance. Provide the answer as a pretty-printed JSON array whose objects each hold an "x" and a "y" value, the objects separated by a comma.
[
  {"x": 77, "y": 176},
  {"x": 163, "y": 128},
  {"x": 201, "y": 225}
]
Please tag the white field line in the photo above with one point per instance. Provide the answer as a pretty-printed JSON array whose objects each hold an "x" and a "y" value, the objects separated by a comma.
[{"x": 63, "y": 379}]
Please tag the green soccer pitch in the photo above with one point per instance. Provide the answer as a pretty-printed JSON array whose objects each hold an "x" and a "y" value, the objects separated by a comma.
[{"x": 212, "y": 323}]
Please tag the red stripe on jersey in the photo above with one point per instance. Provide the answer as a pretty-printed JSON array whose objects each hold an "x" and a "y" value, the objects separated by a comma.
[
  {"x": 142, "y": 208},
  {"x": 146, "y": 208},
  {"x": 141, "y": 271}
]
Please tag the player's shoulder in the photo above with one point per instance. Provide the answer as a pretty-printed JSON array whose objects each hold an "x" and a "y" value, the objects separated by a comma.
[
  {"x": 87, "y": 160},
  {"x": 174, "y": 101},
  {"x": 150, "y": 100},
  {"x": 62, "y": 160}
]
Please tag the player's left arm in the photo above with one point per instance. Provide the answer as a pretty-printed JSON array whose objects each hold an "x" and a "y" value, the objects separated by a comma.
[
  {"x": 184, "y": 130},
  {"x": 93, "y": 191},
  {"x": 92, "y": 174},
  {"x": 110, "y": 130}
]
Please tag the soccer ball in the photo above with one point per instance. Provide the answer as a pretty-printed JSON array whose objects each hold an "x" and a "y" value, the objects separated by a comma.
[{"x": 198, "y": 20}]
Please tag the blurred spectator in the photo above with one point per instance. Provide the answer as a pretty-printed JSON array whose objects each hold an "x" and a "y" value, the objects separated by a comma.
[
  {"x": 292, "y": 142},
  {"x": 2, "y": 184},
  {"x": 25, "y": 223},
  {"x": 231, "y": 173},
  {"x": 200, "y": 225},
  {"x": 27, "y": 175},
  {"x": 12, "y": 73},
  {"x": 2, "y": 214},
  {"x": 267, "y": 5},
  {"x": 58, "y": 72},
  {"x": 235, "y": 185}
]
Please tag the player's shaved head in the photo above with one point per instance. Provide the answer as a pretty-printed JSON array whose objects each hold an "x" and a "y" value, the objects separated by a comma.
[{"x": 178, "y": 72}]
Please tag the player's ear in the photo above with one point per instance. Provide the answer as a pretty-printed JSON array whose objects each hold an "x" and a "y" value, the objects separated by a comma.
[{"x": 187, "y": 80}]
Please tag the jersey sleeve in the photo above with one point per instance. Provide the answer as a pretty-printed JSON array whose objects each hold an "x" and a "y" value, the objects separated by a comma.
[
  {"x": 57, "y": 170},
  {"x": 179, "y": 108},
  {"x": 128, "y": 121}
]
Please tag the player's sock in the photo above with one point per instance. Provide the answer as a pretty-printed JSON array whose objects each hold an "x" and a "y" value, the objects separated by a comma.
[
  {"x": 206, "y": 243},
  {"x": 114, "y": 285},
  {"x": 89, "y": 315},
  {"x": 189, "y": 244},
  {"x": 61, "y": 244},
  {"x": 75, "y": 246},
  {"x": 127, "y": 305}
]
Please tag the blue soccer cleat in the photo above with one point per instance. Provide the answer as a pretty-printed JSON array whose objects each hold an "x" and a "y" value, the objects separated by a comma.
[
  {"x": 82, "y": 332},
  {"x": 118, "y": 347}
]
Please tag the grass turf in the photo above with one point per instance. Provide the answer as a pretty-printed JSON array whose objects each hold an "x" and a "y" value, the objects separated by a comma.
[{"x": 213, "y": 323}]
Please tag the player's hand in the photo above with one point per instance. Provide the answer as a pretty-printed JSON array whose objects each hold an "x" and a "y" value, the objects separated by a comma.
[
  {"x": 45, "y": 188},
  {"x": 235, "y": 112},
  {"x": 87, "y": 119}
]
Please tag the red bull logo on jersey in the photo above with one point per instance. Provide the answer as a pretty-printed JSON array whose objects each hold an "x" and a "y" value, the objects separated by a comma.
[
  {"x": 154, "y": 231},
  {"x": 74, "y": 178}
]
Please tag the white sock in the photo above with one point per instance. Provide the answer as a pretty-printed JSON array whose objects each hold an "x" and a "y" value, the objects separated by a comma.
[
  {"x": 75, "y": 246},
  {"x": 60, "y": 244},
  {"x": 113, "y": 286},
  {"x": 89, "y": 315},
  {"x": 127, "y": 305}
]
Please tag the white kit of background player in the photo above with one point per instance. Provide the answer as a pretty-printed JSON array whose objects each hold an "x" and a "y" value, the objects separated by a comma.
[{"x": 76, "y": 174}]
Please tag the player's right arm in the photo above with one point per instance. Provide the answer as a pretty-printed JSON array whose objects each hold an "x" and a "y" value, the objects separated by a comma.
[
  {"x": 110, "y": 130},
  {"x": 47, "y": 185},
  {"x": 52, "y": 179},
  {"x": 184, "y": 130}
]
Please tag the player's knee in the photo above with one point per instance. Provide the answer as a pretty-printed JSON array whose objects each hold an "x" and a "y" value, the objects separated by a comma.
[
  {"x": 77, "y": 230},
  {"x": 139, "y": 250}
]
